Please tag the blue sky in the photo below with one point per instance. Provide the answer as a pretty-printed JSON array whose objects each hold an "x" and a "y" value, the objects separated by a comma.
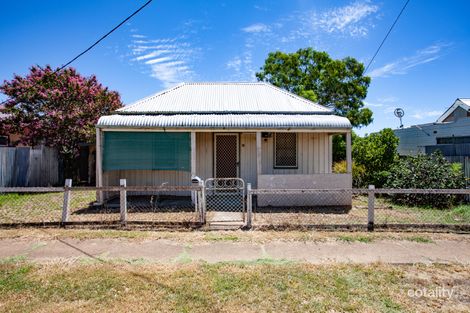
[{"x": 422, "y": 67}]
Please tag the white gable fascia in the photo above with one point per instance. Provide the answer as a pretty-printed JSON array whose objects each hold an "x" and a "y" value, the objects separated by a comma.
[{"x": 452, "y": 108}]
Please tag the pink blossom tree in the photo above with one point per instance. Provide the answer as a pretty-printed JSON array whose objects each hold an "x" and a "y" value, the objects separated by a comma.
[{"x": 56, "y": 108}]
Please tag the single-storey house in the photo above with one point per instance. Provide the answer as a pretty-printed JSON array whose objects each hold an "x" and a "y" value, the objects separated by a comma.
[
  {"x": 255, "y": 131},
  {"x": 450, "y": 133}
]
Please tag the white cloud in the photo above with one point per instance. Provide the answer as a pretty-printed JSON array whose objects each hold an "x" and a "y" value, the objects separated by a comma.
[
  {"x": 374, "y": 105},
  {"x": 256, "y": 28},
  {"x": 167, "y": 59},
  {"x": 389, "y": 109},
  {"x": 260, "y": 8},
  {"x": 423, "y": 114},
  {"x": 150, "y": 55},
  {"x": 388, "y": 99},
  {"x": 235, "y": 64},
  {"x": 403, "y": 65},
  {"x": 301, "y": 29},
  {"x": 347, "y": 19},
  {"x": 241, "y": 65}
]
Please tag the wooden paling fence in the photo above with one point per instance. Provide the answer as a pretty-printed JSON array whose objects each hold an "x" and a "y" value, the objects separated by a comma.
[{"x": 29, "y": 167}]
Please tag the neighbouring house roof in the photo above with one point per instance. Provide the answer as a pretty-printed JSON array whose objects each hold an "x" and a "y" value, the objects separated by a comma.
[
  {"x": 225, "y": 106},
  {"x": 463, "y": 103}
]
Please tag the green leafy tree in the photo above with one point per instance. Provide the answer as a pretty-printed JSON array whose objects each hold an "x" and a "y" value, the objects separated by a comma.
[
  {"x": 56, "y": 108},
  {"x": 377, "y": 153},
  {"x": 426, "y": 172},
  {"x": 338, "y": 84},
  {"x": 339, "y": 146}
]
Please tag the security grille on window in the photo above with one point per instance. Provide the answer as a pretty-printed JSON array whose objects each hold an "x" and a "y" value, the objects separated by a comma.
[{"x": 285, "y": 150}]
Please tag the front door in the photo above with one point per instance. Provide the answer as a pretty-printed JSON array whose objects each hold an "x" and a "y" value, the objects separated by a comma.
[{"x": 226, "y": 155}]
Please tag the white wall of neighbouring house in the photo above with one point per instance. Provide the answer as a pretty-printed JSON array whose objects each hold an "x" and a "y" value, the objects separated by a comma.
[{"x": 414, "y": 139}]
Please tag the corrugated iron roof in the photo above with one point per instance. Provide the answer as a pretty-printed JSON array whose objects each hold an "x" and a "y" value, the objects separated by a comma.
[
  {"x": 226, "y": 121},
  {"x": 213, "y": 97}
]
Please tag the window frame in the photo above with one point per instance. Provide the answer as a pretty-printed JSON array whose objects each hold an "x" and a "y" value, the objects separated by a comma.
[{"x": 296, "y": 166}]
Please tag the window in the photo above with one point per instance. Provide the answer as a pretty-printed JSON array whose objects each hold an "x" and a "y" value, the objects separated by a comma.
[
  {"x": 285, "y": 150},
  {"x": 146, "y": 151},
  {"x": 453, "y": 140}
]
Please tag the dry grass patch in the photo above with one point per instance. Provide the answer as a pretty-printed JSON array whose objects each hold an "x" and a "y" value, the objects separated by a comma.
[
  {"x": 225, "y": 287},
  {"x": 228, "y": 236}
]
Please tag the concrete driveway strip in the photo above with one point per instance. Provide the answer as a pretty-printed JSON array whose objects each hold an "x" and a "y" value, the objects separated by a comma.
[{"x": 165, "y": 251}]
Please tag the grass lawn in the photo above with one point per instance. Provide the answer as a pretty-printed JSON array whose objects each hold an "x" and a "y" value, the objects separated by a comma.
[{"x": 261, "y": 286}]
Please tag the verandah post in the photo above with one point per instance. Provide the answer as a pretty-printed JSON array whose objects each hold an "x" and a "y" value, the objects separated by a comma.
[
  {"x": 66, "y": 205},
  {"x": 99, "y": 166},
  {"x": 123, "y": 201},
  {"x": 370, "y": 208}
]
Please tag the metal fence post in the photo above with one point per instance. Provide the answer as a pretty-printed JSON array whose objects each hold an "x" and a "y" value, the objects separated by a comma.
[
  {"x": 249, "y": 205},
  {"x": 202, "y": 202},
  {"x": 66, "y": 205},
  {"x": 370, "y": 208},
  {"x": 123, "y": 201}
]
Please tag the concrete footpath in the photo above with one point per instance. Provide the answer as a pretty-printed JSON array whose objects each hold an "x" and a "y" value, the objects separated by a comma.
[{"x": 167, "y": 251}]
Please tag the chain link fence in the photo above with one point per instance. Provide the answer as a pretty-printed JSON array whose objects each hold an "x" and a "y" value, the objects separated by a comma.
[
  {"x": 447, "y": 208},
  {"x": 192, "y": 206},
  {"x": 360, "y": 208},
  {"x": 164, "y": 205},
  {"x": 284, "y": 208},
  {"x": 172, "y": 206},
  {"x": 21, "y": 206}
]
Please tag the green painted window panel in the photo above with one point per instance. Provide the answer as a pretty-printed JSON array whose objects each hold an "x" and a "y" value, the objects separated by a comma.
[{"x": 146, "y": 151}]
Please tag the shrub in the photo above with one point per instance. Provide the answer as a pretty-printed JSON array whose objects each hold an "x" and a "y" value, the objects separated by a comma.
[
  {"x": 377, "y": 153},
  {"x": 358, "y": 172},
  {"x": 426, "y": 172}
]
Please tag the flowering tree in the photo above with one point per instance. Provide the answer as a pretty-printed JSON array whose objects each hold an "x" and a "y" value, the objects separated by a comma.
[{"x": 56, "y": 108}]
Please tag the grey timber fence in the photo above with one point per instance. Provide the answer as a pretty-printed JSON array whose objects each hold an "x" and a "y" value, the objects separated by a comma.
[{"x": 29, "y": 167}]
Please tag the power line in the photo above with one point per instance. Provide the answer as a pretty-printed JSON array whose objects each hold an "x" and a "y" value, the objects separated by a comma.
[
  {"x": 386, "y": 36},
  {"x": 104, "y": 36},
  {"x": 95, "y": 43}
]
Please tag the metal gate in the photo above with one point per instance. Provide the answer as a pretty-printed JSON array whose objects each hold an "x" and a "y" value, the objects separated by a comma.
[{"x": 227, "y": 196}]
